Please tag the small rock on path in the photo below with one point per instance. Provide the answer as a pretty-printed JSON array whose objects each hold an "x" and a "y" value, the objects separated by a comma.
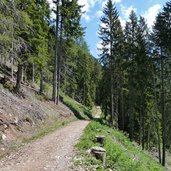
[{"x": 53, "y": 152}]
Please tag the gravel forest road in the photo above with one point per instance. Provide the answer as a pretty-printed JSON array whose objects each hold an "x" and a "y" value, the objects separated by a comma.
[{"x": 54, "y": 152}]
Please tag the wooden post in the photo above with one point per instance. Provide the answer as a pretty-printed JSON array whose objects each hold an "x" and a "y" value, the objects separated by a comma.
[
  {"x": 99, "y": 153},
  {"x": 100, "y": 139}
]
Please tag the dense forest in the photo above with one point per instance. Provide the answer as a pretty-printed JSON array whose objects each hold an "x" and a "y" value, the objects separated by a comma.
[
  {"x": 130, "y": 81},
  {"x": 48, "y": 51}
]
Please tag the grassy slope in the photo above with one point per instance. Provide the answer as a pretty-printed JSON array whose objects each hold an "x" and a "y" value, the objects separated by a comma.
[
  {"x": 122, "y": 155},
  {"x": 80, "y": 111}
]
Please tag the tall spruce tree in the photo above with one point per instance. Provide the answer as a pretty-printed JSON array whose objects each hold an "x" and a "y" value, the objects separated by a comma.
[
  {"x": 161, "y": 37},
  {"x": 109, "y": 33},
  {"x": 68, "y": 27},
  {"x": 131, "y": 52}
]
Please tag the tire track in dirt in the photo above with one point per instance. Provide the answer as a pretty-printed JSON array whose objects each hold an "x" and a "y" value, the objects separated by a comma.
[{"x": 53, "y": 152}]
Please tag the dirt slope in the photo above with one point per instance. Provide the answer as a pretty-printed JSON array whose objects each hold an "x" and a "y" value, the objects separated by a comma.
[
  {"x": 53, "y": 152},
  {"x": 23, "y": 116}
]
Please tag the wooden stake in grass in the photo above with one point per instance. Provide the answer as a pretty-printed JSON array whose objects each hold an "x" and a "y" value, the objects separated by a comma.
[
  {"x": 101, "y": 139},
  {"x": 99, "y": 153}
]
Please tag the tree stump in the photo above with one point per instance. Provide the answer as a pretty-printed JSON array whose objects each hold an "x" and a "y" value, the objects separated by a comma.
[
  {"x": 101, "y": 139},
  {"x": 99, "y": 153}
]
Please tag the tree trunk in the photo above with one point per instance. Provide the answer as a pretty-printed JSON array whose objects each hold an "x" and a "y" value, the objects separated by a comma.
[
  {"x": 131, "y": 110},
  {"x": 140, "y": 143},
  {"x": 33, "y": 73},
  {"x": 149, "y": 134},
  {"x": 41, "y": 81},
  {"x": 163, "y": 110},
  {"x": 19, "y": 78},
  {"x": 158, "y": 140},
  {"x": 112, "y": 101},
  {"x": 143, "y": 118},
  {"x": 25, "y": 74},
  {"x": 12, "y": 68},
  {"x": 56, "y": 55},
  {"x": 59, "y": 59},
  {"x": 22, "y": 79},
  {"x": 84, "y": 91},
  {"x": 12, "y": 60},
  {"x": 157, "y": 121},
  {"x": 122, "y": 109}
]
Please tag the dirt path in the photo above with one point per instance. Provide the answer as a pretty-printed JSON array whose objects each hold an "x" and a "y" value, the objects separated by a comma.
[{"x": 53, "y": 152}]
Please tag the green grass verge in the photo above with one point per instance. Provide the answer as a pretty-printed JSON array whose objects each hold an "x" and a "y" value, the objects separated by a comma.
[
  {"x": 44, "y": 130},
  {"x": 121, "y": 154}
]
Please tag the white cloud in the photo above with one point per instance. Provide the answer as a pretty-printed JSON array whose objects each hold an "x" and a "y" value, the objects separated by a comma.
[
  {"x": 87, "y": 5},
  {"x": 99, "y": 13},
  {"x": 100, "y": 45},
  {"x": 52, "y": 6},
  {"x": 123, "y": 22},
  {"x": 151, "y": 13},
  {"x": 86, "y": 17},
  {"x": 126, "y": 11}
]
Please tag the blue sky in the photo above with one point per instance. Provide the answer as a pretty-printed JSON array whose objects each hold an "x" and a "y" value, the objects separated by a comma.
[{"x": 93, "y": 11}]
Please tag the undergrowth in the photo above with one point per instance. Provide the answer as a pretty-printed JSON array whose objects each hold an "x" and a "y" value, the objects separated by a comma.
[{"x": 121, "y": 154}]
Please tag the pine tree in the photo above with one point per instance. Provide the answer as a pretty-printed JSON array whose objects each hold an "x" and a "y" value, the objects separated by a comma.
[
  {"x": 68, "y": 28},
  {"x": 161, "y": 36},
  {"x": 110, "y": 32},
  {"x": 21, "y": 34},
  {"x": 131, "y": 30}
]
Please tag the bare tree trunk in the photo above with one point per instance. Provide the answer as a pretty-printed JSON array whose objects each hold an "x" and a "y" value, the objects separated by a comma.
[
  {"x": 56, "y": 55},
  {"x": 33, "y": 73},
  {"x": 157, "y": 122},
  {"x": 143, "y": 119},
  {"x": 12, "y": 60},
  {"x": 149, "y": 134},
  {"x": 158, "y": 138},
  {"x": 112, "y": 101},
  {"x": 25, "y": 74},
  {"x": 12, "y": 68},
  {"x": 41, "y": 81},
  {"x": 116, "y": 105},
  {"x": 59, "y": 60},
  {"x": 19, "y": 78},
  {"x": 116, "y": 100},
  {"x": 84, "y": 91},
  {"x": 22, "y": 78},
  {"x": 131, "y": 112},
  {"x": 140, "y": 143},
  {"x": 122, "y": 109},
  {"x": 163, "y": 110}
]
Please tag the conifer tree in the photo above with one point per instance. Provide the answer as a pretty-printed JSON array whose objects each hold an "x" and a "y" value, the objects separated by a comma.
[
  {"x": 109, "y": 33},
  {"x": 68, "y": 28},
  {"x": 161, "y": 37},
  {"x": 131, "y": 50}
]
